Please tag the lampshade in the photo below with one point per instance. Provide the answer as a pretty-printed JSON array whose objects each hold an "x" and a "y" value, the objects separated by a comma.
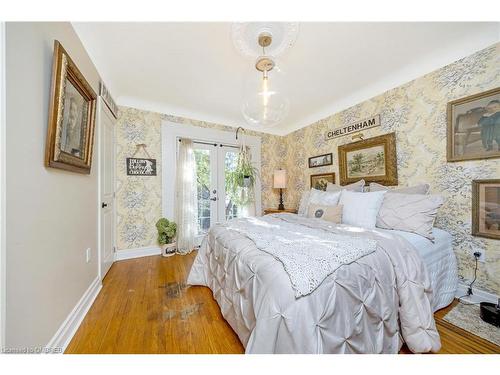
[{"x": 280, "y": 179}]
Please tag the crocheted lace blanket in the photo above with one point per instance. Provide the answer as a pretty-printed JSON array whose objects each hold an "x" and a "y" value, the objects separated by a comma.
[{"x": 308, "y": 255}]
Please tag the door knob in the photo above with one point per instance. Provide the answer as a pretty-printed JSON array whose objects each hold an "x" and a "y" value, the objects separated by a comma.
[
  {"x": 213, "y": 199},
  {"x": 103, "y": 205}
]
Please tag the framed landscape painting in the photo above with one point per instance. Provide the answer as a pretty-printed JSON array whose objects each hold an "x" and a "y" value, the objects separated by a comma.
[
  {"x": 70, "y": 131},
  {"x": 319, "y": 181},
  {"x": 486, "y": 208},
  {"x": 474, "y": 127},
  {"x": 373, "y": 160},
  {"x": 321, "y": 160}
]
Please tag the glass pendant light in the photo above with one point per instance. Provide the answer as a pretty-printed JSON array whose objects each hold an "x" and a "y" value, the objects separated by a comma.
[{"x": 264, "y": 103}]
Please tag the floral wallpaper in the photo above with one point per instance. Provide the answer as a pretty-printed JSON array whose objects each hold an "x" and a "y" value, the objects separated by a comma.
[
  {"x": 139, "y": 198},
  {"x": 416, "y": 111}
]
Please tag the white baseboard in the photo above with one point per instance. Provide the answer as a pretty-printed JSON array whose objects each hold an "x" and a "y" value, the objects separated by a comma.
[
  {"x": 68, "y": 329},
  {"x": 477, "y": 296},
  {"x": 137, "y": 253}
]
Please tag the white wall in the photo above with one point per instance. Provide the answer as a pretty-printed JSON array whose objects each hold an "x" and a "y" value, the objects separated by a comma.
[
  {"x": 2, "y": 184},
  {"x": 51, "y": 214}
]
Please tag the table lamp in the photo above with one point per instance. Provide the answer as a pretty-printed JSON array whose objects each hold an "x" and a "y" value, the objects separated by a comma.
[{"x": 280, "y": 183}]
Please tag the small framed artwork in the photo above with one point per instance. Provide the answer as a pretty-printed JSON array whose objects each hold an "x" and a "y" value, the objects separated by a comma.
[
  {"x": 319, "y": 181},
  {"x": 70, "y": 131},
  {"x": 372, "y": 159},
  {"x": 321, "y": 160},
  {"x": 474, "y": 127},
  {"x": 486, "y": 208}
]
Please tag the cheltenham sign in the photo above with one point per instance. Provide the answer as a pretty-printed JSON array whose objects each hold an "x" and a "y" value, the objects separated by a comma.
[{"x": 368, "y": 123}]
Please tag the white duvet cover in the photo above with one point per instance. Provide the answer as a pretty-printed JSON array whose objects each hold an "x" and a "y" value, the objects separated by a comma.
[{"x": 367, "y": 306}]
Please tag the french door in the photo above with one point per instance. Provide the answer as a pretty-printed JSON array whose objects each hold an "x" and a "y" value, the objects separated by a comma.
[{"x": 216, "y": 200}]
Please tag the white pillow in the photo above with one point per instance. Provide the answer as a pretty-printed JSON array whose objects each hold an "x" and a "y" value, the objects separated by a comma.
[
  {"x": 304, "y": 203},
  {"x": 328, "y": 198},
  {"x": 361, "y": 209},
  {"x": 357, "y": 186}
]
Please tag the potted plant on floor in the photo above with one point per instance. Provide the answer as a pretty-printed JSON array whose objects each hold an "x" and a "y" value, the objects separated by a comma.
[{"x": 166, "y": 235}]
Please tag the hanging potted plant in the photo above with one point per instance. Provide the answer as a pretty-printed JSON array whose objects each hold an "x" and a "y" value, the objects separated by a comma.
[
  {"x": 166, "y": 236},
  {"x": 242, "y": 179},
  {"x": 245, "y": 173}
]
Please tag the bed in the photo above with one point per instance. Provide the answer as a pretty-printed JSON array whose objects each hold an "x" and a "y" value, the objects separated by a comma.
[
  {"x": 440, "y": 262},
  {"x": 371, "y": 304}
]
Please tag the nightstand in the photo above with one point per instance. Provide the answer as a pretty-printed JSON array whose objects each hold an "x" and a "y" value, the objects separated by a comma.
[{"x": 268, "y": 211}]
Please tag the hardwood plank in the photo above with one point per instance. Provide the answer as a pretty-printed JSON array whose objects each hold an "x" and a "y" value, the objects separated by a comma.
[{"x": 145, "y": 307}]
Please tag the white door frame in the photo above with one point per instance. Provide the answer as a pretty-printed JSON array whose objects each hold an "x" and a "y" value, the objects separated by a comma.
[
  {"x": 171, "y": 131},
  {"x": 101, "y": 106},
  {"x": 3, "y": 218}
]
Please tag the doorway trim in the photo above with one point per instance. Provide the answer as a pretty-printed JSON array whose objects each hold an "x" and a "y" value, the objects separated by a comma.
[
  {"x": 3, "y": 182},
  {"x": 101, "y": 106},
  {"x": 170, "y": 131}
]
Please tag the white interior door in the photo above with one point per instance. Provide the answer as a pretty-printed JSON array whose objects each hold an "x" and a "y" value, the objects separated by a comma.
[{"x": 107, "y": 178}]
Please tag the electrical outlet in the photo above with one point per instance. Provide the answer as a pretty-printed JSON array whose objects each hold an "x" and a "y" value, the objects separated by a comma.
[
  {"x": 481, "y": 257},
  {"x": 87, "y": 255}
]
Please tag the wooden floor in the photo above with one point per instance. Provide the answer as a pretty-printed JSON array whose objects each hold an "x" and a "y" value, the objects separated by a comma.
[{"x": 145, "y": 307}]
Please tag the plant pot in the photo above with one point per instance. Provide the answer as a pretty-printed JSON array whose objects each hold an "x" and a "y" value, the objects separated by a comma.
[
  {"x": 247, "y": 181},
  {"x": 168, "y": 249}
]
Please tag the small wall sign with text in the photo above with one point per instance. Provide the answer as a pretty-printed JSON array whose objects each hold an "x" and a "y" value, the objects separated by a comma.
[
  {"x": 367, "y": 123},
  {"x": 141, "y": 167}
]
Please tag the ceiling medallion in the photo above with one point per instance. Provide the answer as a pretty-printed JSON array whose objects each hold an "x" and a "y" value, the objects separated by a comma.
[{"x": 282, "y": 34}]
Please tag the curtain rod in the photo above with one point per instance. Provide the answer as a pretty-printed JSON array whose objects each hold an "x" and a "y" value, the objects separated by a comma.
[{"x": 212, "y": 144}]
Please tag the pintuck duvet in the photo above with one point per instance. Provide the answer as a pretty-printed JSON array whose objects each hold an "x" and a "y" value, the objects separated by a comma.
[{"x": 367, "y": 300}]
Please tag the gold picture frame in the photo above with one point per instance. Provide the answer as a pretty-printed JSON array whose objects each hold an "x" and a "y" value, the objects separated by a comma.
[
  {"x": 70, "y": 130},
  {"x": 373, "y": 159},
  {"x": 466, "y": 137},
  {"x": 486, "y": 208},
  {"x": 319, "y": 181}
]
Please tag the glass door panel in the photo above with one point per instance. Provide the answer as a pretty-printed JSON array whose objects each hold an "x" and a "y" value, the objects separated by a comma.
[
  {"x": 217, "y": 197},
  {"x": 228, "y": 195},
  {"x": 206, "y": 180}
]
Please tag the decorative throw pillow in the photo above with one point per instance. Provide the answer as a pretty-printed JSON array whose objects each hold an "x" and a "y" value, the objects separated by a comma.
[
  {"x": 410, "y": 213},
  {"x": 328, "y": 198},
  {"x": 357, "y": 186},
  {"x": 361, "y": 209},
  {"x": 304, "y": 203},
  {"x": 417, "y": 189},
  {"x": 329, "y": 213}
]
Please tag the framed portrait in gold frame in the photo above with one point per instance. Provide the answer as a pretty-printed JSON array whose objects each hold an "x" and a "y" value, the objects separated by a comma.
[
  {"x": 319, "y": 181},
  {"x": 486, "y": 208},
  {"x": 373, "y": 160},
  {"x": 70, "y": 130},
  {"x": 473, "y": 130}
]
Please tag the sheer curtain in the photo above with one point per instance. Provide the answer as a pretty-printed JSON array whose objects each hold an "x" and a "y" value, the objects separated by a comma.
[{"x": 186, "y": 202}]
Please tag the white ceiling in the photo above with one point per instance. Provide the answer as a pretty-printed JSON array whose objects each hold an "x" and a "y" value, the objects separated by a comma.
[{"x": 193, "y": 69}]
